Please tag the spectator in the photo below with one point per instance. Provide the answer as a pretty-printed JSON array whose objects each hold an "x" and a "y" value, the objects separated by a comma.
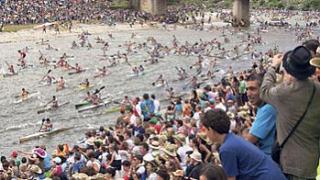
[
  {"x": 240, "y": 159},
  {"x": 300, "y": 155},
  {"x": 262, "y": 132}
]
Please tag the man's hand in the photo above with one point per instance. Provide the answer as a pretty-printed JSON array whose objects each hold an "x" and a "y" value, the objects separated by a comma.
[{"x": 276, "y": 61}]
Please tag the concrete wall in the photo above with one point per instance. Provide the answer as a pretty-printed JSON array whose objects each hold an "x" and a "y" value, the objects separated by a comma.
[
  {"x": 154, "y": 6},
  {"x": 241, "y": 12}
]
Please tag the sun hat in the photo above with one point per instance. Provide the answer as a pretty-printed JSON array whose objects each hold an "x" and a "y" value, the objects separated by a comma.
[
  {"x": 35, "y": 169},
  {"x": 170, "y": 150},
  {"x": 154, "y": 145},
  {"x": 230, "y": 114},
  {"x": 315, "y": 62},
  {"x": 196, "y": 156},
  {"x": 297, "y": 63},
  {"x": 180, "y": 137},
  {"x": 80, "y": 176},
  {"x": 178, "y": 173},
  {"x": 40, "y": 152}
]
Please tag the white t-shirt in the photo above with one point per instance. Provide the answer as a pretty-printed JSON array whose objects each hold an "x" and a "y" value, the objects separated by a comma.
[
  {"x": 156, "y": 106},
  {"x": 182, "y": 151}
]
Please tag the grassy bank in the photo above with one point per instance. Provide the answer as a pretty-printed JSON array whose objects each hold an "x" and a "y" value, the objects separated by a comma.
[{"x": 15, "y": 27}]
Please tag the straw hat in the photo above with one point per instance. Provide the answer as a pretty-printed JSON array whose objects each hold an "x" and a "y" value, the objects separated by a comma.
[
  {"x": 315, "y": 62},
  {"x": 154, "y": 145},
  {"x": 80, "y": 176},
  {"x": 196, "y": 156},
  {"x": 170, "y": 150},
  {"x": 180, "y": 137},
  {"x": 35, "y": 169},
  {"x": 230, "y": 114},
  {"x": 178, "y": 173}
]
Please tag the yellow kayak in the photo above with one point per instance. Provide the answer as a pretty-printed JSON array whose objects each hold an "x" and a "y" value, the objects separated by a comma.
[{"x": 84, "y": 87}]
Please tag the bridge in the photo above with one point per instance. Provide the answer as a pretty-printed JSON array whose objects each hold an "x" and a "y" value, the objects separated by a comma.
[{"x": 240, "y": 11}]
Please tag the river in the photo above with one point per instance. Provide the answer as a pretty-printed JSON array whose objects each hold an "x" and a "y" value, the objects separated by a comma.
[{"x": 21, "y": 119}]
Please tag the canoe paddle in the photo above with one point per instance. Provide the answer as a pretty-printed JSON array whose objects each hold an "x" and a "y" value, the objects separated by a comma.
[
  {"x": 98, "y": 90},
  {"x": 41, "y": 124}
]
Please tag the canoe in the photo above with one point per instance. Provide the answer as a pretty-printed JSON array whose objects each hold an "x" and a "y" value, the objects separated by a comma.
[
  {"x": 52, "y": 108},
  {"x": 92, "y": 106},
  {"x": 42, "y": 134},
  {"x": 30, "y": 96},
  {"x": 81, "y": 71}
]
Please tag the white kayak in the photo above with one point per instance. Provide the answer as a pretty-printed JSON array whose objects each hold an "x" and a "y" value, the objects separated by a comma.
[
  {"x": 30, "y": 96},
  {"x": 42, "y": 134},
  {"x": 92, "y": 106},
  {"x": 52, "y": 108},
  {"x": 81, "y": 71}
]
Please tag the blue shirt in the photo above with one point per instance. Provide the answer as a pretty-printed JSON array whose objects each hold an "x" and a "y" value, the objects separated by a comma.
[
  {"x": 245, "y": 161},
  {"x": 264, "y": 127}
]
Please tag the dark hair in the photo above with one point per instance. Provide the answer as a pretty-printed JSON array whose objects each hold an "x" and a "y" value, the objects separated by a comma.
[
  {"x": 163, "y": 174},
  {"x": 312, "y": 45},
  {"x": 153, "y": 96},
  {"x": 217, "y": 120},
  {"x": 111, "y": 171},
  {"x": 213, "y": 172},
  {"x": 255, "y": 77},
  {"x": 145, "y": 96},
  {"x": 126, "y": 163}
]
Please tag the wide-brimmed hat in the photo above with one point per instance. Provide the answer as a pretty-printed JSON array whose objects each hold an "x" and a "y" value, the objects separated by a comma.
[
  {"x": 196, "y": 156},
  {"x": 231, "y": 115},
  {"x": 297, "y": 63},
  {"x": 178, "y": 173},
  {"x": 40, "y": 152},
  {"x": 154, "y": 145},
  {"x": 35, "y": 169},
  {"x": 315, "y": 62},
  {"x": 180, "y": 137},
  {"x": 80, "y": 176},
  {"x": 170, "y": 150}
]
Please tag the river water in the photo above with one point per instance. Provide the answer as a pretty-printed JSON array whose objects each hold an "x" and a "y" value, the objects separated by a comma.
[{"x": 22, "y": 119}]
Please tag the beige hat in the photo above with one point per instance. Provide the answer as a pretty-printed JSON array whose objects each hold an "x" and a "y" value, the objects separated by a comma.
[
  {"x": 196, "y": 156},
  {"x": 35, "y": 169},
  {"x": 178, "y": 173},
  {"x": 170, "y": 150},
  {"x": 80, "y": 176},
  {"x": 315, "y": 62},
  {"x": 154, "y": 145},
  {"x": 181, "y": 138}
]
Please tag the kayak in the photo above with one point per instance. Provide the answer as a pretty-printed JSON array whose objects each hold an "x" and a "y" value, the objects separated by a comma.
[
  {"x": 92, "y": 106},
  {"x": 136, "y": 75},
  {"x": 52, "y": 108},
  {"x": 9, "y": 74},
  {"x": 112, "y": 110},
  {"x": 42, "y": 134},
  {"x": 30, "y": 96},
  {"x": 86, "y": 103},
  {"x": 84, "y": 87},
  {"x": 81, "y": 71}
]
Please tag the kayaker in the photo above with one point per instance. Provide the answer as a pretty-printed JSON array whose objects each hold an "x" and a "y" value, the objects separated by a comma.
[
  {"x": 95, "y": 97},
  {"x": 24, "y": 93},
  {"x": 88, "y": 97},
  {"x": 77, "y": 68},
  {"x": 141, "y": 69},
  {"x": 160, "y": 80},
  {"x": 46, "y": 125},
  {"x": 101, "y": 72},
  {"x": 61, "y": 62},
  {"x": 53, "y": 102},
  {"x": 60, "y": 84},
  {"x": 85, "y": 84},
  {"x": 11, "y": 69}
]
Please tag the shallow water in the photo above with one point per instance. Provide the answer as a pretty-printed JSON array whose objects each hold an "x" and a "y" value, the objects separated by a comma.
[{"x": 22, "y": 119}]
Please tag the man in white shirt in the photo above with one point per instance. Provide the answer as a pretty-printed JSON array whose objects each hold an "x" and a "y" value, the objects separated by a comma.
[{"x": 156, "y": 104}]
